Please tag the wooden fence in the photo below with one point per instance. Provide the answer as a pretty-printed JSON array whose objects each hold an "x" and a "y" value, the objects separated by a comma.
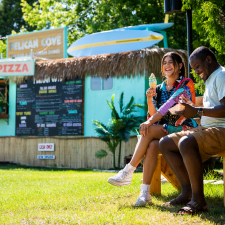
[{"x": 70, "y": 152}]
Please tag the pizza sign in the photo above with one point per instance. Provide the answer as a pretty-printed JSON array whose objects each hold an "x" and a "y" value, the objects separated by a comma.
[{"x": 17, "y": 68}]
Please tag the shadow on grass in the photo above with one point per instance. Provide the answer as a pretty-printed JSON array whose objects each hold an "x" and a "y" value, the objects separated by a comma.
[
  {"x": 12, "y": 166},
  {"x": 215, "y": 212}
]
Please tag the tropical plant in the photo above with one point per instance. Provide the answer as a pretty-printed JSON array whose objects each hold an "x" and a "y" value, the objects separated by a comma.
[{"x": 118, "y": 128}]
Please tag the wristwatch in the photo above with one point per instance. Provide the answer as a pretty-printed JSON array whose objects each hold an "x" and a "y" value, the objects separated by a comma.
[{"x": 200, "y": 112}]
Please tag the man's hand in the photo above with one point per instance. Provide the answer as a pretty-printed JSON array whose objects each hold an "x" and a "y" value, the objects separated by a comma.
[{"x": 188, "y": 112}]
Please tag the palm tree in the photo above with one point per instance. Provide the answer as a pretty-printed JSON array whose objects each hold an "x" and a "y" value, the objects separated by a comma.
[{"x": 119, "y": 127}]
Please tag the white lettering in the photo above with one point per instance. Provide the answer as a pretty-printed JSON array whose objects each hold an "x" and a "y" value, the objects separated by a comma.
[
  {"x": 54, "y": 40},
  {"x": 43, "y": 42},
  {"x": 30, "y": 45},
  {"x": 35, "y": 43},
  {"x": 59, "y": 40},
  {"x": 15, "y": 45},
  {"x": 23, "y": 86},
  {"x": 55, "y": 51},
  {"x": 25, "y": 45},
  {"x": 48, "y": 41},
  {"x": 51, "y": 125}
]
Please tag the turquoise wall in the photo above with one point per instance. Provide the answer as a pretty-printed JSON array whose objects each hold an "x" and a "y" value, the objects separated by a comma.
[
  {"x": 8, "y": 129},
  {"x": 96, "y": 107}
]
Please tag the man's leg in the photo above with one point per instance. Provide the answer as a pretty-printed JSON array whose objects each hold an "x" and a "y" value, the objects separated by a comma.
[
  {"x": 174, "y": 159},
  {"x": 191, "y": 157}
]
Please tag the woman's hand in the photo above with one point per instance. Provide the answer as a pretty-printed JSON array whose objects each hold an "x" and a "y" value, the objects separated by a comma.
[
  {"x": 144, "y": 127},
  {"x": 150, "y": 93}
]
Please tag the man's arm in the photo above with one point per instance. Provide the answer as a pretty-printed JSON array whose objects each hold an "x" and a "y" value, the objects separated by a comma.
[{"x": 216, "y": 111}]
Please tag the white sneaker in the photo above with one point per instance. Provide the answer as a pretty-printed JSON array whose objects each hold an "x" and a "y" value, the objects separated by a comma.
[
  {"x": 124, "y": 176},
  {"x": 144, "y": 197}
]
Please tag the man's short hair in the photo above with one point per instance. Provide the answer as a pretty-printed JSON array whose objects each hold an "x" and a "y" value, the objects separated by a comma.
[{"x": 202, "y": 52}]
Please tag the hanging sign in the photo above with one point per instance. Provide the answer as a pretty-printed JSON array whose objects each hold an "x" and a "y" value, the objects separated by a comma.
[
  {"x": 51, "y": 44},
  {"x": 17, "y": 67}
]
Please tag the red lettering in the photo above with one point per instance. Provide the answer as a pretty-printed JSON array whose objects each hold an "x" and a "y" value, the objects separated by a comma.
[
  {"x": 10, "y": 68},
  {"x": 42, "y": 146},
  {"x": 25, "y": 68},
  {"x": 4, "y": 68},
  {"x": 0, "y": 67},
  {"x": 17, "y": 67},
  {"x": 49, "y": 146}
]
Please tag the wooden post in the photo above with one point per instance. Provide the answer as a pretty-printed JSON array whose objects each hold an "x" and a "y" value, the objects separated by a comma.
[{"x": 155, "y": 188}]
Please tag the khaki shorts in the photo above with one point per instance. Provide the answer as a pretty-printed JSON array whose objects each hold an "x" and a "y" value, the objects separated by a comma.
[{"x": 211, "y": 141}]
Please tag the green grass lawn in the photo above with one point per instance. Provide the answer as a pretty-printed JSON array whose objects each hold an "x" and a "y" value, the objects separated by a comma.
[{"x": 45, "y": 196}]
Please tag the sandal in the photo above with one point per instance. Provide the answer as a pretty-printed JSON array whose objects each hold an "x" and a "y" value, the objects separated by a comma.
[
  {"x": 192, "y": 208},
  {"x": 177, "y": 201}
]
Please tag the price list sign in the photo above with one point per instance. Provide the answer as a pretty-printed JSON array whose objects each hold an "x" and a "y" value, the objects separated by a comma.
[{"x": 49, "y": 108}]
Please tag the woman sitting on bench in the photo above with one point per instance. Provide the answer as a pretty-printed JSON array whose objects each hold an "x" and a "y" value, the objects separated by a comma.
[{"x": 160, "y": 123}]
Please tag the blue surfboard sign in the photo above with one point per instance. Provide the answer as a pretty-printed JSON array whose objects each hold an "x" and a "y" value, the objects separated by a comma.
[{"x": 113, "y": 41}]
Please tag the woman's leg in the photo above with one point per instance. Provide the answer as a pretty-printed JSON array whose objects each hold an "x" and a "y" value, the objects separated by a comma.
[
  {"x": 149, "y": 166},
  {"x": 124, "y": 177},
  {"x": 155, "y": 133},
  {"x": 150, "y": 161}
]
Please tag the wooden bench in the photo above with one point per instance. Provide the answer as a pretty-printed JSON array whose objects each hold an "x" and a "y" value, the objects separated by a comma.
[{"x": 164, "y": 169}]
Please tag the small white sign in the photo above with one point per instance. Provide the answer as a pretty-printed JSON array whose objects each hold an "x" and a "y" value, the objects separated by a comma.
[
  {"x": 46, "y": 156},
  {"x": 46, "y": 147}
]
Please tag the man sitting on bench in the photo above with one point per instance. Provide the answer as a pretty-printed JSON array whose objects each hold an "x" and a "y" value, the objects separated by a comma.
[{"x": 186, "y": 150}]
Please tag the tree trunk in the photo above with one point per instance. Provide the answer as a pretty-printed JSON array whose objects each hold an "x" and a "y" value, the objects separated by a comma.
[
  {"x": 114, "y": 160},
  {"x": 119, "y": 155}
]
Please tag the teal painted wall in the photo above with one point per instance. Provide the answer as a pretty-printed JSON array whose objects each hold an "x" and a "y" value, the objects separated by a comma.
[
  {"x": 9, "y": 129},
  {"x": 96, "y": 107}
]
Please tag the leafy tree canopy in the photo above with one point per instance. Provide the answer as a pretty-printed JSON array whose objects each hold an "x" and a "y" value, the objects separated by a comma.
[
  {"x": 11, "y": 17},
  {"x": 90, "y": 16},
  {"x": 3, "y": 48},
  {"x": 209, "y": 23}
]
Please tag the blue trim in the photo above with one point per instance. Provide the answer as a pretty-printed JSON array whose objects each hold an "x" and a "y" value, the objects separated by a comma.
[{"x": 65, "y": 41}]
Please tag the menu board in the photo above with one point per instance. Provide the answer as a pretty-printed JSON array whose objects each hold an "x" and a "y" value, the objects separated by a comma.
[{"x": 49, "y": 108}]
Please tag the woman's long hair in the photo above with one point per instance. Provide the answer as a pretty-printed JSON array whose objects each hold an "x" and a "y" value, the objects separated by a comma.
[{"x": 177, "y": 59}]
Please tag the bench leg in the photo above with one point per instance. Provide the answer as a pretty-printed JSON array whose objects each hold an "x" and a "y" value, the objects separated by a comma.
[{"x": 155, "y": 188}]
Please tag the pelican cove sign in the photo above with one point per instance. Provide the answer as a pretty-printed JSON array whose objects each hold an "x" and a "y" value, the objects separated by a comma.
[{"x": 47, "y": 44}]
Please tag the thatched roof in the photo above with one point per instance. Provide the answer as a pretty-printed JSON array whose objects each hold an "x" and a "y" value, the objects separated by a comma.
[{"x": 122, "y": 64}]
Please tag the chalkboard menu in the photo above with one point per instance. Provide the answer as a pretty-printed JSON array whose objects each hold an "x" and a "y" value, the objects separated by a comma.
[{"x": 49, "y": 108}]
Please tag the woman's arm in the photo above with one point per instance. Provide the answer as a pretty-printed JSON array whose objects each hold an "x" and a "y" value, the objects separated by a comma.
[{"x": 151, "y": 108}]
